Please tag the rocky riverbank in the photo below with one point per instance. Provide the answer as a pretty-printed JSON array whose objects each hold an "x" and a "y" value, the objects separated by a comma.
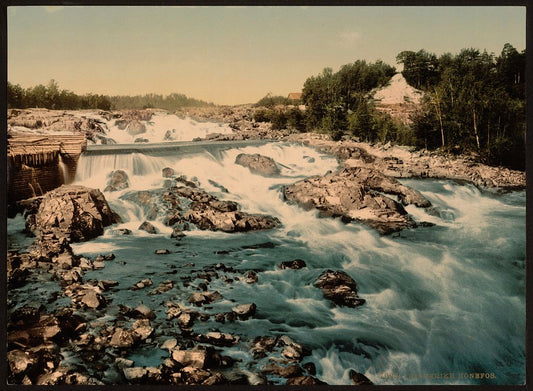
[{"x": 72, "y": 345}]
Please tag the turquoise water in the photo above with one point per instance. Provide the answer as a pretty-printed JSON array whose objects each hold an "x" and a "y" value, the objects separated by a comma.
[{"x": 446, "y": 300}]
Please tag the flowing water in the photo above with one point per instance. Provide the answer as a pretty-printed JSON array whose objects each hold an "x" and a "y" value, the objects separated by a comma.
[{"x": 442, "y": 303}]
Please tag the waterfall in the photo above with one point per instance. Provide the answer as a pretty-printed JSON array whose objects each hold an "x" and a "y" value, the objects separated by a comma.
[
  {"x": 65, "y": 176},
  {"x": 442, "y": 299}
]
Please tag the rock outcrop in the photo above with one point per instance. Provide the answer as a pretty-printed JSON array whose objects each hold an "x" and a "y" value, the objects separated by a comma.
[
  {"x": 76, "y": 213},
  {"x": 181, "y": 206},
  {"x": 339, "y": 287},
  {"x": 258, "y": 164},
  {"x": 355, "y": 193}
]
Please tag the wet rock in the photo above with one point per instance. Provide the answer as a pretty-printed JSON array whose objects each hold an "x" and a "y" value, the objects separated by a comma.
[
  {"x": 355, "y": 193},
  {"x": 143, "y": 312},
  {"x": 134, "y": 374},
  {"x": 163, "y": 287},
  {"x": 251, "y": 277},
  {"x": 177, "y": 233},
  {"x": 121, "y": 363},
  {"x": 292, "y": 351},
  {"x": 141, "y": 140},
  {"x": 162, "y": 251},
  {"x": 192, "y": 375},
  {"x": 141, "y": 284},
  {"x": 339, "y": 287},
  {"x": 168, "y": 172},
  {"x": 310, "y": 368},
  {"x": 20, "y": 361},
  {"x": 215, "y": 379},
  {"x": 195, "y": 358},
  {"x": 186, "y": 320},
  {"x": 218, "y": 339},
  {"x": 76, "y": 213},
  {"x": 92, "y": 299},
  {"x": 142, "y": 328},
  {"x": 262, "y": 345},
  {"x": 122, "y": 231},
  {"x": 148, "y": 227},
  {"x": 258, "y": 164},
  {"x": 118, "y": 180},
  {"x": 294, "y": 264},
  {"x": 304, "y": 381},
  {"x": 359, "y": 379},
  {"x": 200, "y": 298},
  {"x": 123, "y": 338},
  {"x": 169, "y": 344},
  {"x": 107, "y": 284},
  {"x": 293, "y": 370},
  {"x": 134, "y": 127},
  {"x": 244, "y": 311}
]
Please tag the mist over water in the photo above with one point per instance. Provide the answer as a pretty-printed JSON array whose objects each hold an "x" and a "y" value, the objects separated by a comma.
[{"x": 445, "y": 299}]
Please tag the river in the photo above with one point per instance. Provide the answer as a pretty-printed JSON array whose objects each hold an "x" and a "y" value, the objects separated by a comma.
[{"x": 443, "y": 302}]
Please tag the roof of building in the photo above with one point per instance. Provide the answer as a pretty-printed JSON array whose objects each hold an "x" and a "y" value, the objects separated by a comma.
[{"x": 295, "y": 95}]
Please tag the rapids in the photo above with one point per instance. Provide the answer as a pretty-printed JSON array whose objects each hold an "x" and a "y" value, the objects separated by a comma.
[{"x": 442, "y": 302}]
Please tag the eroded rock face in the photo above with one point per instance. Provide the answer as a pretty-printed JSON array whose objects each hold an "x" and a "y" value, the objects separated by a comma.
[
  {"x": 258, "y": 164},
  {"x": 339, "y": 287},
  {"x": 355, "y": 193},
  {"x": 75, "y": 212}
]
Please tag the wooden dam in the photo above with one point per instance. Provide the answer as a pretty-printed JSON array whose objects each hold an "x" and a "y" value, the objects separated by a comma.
[{"x": 40, "y": 163}]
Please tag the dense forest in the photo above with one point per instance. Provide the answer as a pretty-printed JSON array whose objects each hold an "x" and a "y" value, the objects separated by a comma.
[
  {"x": 52, "y": 97},
  {"x": 474, "y": 101}
]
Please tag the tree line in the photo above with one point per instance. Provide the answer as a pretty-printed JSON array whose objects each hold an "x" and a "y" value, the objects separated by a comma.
[
  {"x": 53, "y": 98},
  {"x": 474, "y": 102}
]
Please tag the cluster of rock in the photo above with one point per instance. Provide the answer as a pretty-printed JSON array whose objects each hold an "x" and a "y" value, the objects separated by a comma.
[
  {"x": 356, "y": 193},
  {"x": 45, "y": 121},
  {"x": 183, "y": 203},
  {"x": 398, "y": 162},
  {"x": 131, "y": 121}
]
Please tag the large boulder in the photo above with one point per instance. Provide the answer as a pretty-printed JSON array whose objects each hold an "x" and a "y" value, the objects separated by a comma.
[
  {"x": 258, "y": 164},
  {"x": 339, "y": 287},
  {"x": 77, "y": 213},
  {"x": 356, "y": 193},
  {"x": 135, "y": 127}
]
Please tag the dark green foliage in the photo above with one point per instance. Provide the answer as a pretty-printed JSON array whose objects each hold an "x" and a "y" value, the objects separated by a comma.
[
  {"x": 51, "y": 97},
  {"x": 475, "y": 101},
  {"x": 293, "y": 118},
  {"x": 296, "y": 119},
  {"x": 270, "y": 101},
  {"x": 170, "y": 102},
  {"x": 330, "y": 97}
]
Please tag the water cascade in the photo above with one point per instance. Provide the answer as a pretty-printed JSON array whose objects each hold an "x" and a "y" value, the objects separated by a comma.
[{"x": 442, "y": 301}]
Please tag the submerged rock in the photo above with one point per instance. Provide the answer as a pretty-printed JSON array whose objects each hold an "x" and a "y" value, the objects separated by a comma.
[
  {"x": 148, "y": 227},
  {"x": 294, "y": 264},
  {"x": 118, "y": 181},
  {"x": 244, "y": 311},
  {"x": 339, "y": 287},
  {"x": 359, "y": 379},
  {"x": 258, "y": 164}
]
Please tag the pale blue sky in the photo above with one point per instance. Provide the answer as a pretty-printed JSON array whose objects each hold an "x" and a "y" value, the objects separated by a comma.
[{"x": 231, "y": 55}]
